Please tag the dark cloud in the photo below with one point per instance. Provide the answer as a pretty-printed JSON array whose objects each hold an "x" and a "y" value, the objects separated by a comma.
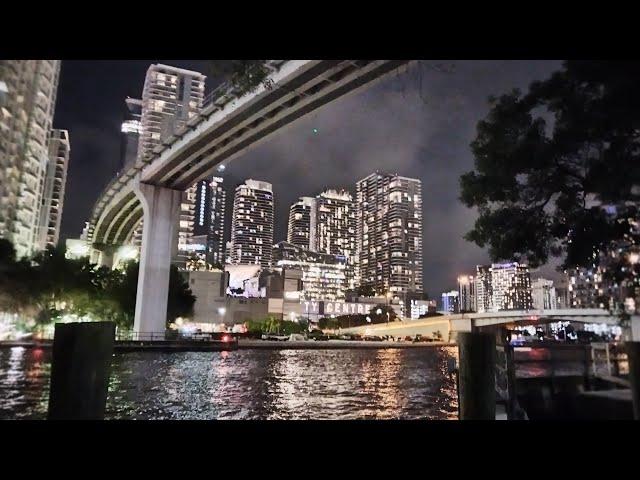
[{"x": 418, "y": 123}]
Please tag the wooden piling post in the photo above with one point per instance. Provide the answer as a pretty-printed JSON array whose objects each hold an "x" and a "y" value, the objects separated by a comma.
[
  {"x": 633, "y": 354},
  {"x": 477, "y": 352},
  {"x": 80, "y": 369}
]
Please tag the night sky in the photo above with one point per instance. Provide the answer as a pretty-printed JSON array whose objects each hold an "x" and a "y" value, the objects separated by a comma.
[{"x": 418, "y": 123}]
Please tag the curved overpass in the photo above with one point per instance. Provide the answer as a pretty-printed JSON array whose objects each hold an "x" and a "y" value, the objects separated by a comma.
[
  {"x": 226, "y": 128},
  {"x": 229, "y": 124}
]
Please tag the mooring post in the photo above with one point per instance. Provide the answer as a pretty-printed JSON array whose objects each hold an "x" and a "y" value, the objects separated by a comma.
[
  {"x": 80, "y": 369},
  {"x": 633, "y": 354},
  {"x": 477, "y": 352}
]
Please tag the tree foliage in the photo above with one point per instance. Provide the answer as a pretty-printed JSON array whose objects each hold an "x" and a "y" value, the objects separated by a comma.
[
  {"x": 557, "y": 169},
  {"x": 366, "y": 290},
  {"x": 49, "y": 286}
]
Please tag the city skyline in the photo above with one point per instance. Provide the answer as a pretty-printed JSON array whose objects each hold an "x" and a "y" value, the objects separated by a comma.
[{"x": 420, "y": 132}]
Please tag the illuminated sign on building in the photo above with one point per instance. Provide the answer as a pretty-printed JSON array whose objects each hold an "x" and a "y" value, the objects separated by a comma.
[
  {"x": 193, "y": 247},
  {"x": 336, "y": 308}
]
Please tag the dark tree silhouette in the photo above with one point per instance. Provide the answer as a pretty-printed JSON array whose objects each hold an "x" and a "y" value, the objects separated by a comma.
[{"x": 557, "y": 170}]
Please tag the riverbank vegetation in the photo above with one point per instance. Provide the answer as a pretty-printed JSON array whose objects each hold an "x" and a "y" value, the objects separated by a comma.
[{"x": 48, "y": 287}]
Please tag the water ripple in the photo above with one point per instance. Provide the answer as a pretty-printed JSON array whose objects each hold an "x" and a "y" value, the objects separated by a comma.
[{"x": 251, "y": 384}]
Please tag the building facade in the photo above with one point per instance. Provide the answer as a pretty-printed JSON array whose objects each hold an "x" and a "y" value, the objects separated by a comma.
[
  {"x": 170, "y": 98},
  {"x": 389, "y": 233},
  {"x": 323, "y": 275},
  {"x": 209, "y": 218},
  {"x": 299, "y": 228},
  {"x": 26, "y": 117},
  {"x": 503, "y": 286},
  {"x": 467, "y": 293},
  {"x": 451, "y": 302},
  {"x": 186, "y": 225},
  {"x": 327, "y": 224},
  {"x": 54, "y": 188},
  {"x": 252, "y": 224},
  {"x": 335, "y": 224},
  {"x": 217, "y": 213},
  {"x": 543, "y": 294},
  {"x": 130, "y": 129},
  {"x": 589, "y": 288}
]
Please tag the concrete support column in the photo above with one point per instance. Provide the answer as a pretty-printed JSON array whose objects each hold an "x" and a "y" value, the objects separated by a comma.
[
  {"x": 635, "y": 328},
  {"x": 161, "y": 208},
  {"x": 105, "y": 258}
]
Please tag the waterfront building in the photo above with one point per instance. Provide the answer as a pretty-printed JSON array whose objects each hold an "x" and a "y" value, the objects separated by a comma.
[
  {"x": 54, "y": 188},
  {"x": 29, "y": 89},
  {"x": 589, "y": 288},
  {"x": 326, "y": 224},
  {"x": 467, "y": 293},
  {"x": 503, "y": 286},
  {"x": 170, "y": 98},
  {"x": 543, "y": 294},
  {"x": 299, "y": 228},
  {"x": 389, "y": 233},
  {"x": 420, "y": 308},
  {"x": 323, "y": 275},
  {"x": 209, "y": 216},
  {"x": 334, "y": 228},
  {"x": 265, "y": 293},
  {"x": 217, "y": 214},
  {"x": 451, "y": 302},
  {"x": 252, "y": 224},
  {"x": 186, "y": 224}
]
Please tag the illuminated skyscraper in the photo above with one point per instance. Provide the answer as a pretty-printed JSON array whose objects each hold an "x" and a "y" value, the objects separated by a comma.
[
  {"x": 589, "y": 288},
  {"x": 335, "y": 224},
  {"x": 54, "y": 188},
  {"x": 252, "y": 224},
  {"x": 29, "y": 89},
  {"x": 326, "y": 224},
  {"x": 503, "y": 286},
  {"x": 451, "y": 302},
  {"x": 209, "y": 216},
  {"x": 467, "y": 293},
  {"x": 300, "y": 231},
  {"x": 170, "y": 98},
  {"x": 389, "y": 233}
]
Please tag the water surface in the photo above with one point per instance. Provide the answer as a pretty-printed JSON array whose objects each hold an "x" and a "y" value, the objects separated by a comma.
[{"x": 250, "y": 384}]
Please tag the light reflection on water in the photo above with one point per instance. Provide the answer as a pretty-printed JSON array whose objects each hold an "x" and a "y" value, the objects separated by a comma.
[{"x": 251, "y": 384}]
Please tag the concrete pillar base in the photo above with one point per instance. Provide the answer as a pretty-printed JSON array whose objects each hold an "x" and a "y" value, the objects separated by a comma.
[{"x": 161, "y": 208}]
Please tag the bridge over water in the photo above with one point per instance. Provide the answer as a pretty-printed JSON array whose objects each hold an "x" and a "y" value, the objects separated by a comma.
[{"x": 449, "y": 325}]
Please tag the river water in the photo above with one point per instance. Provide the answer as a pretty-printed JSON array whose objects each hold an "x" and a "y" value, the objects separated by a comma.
[{"x": 250, "y": 384}]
